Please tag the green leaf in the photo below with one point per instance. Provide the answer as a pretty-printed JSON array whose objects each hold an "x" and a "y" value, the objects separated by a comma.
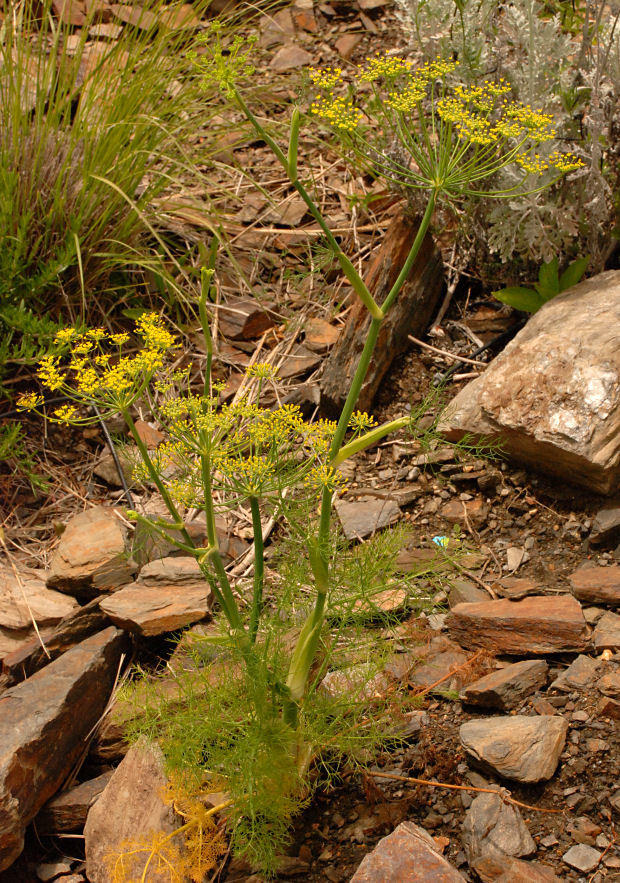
[
  {"x": 525, "y": 299},
  {"x": 573, "y": 273},
  {"x": 548, "y": 284}
]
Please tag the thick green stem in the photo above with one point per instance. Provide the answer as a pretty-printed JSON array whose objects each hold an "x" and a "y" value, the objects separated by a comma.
[
  {"x": 259, "y": 568},
  {"x": 351, "y": 401},
  {"x": 413, "y": 253},
  {"x": 368, "y": 439},
  {"x": 206, "y": 280}
]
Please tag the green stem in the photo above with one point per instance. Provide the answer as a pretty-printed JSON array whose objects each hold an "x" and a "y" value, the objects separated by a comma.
[
  {"x": 259, "y": 568},
  {"x": 155, "y": 477},
  {"x": 413, "y": 253},
  {"x": 206, "y": 280},
  {"x": 369, "y": 438},
  {"x": 348, "y": 269},
  {"x": 227, "y": 599},
  {"x": 351, "y": 401}
]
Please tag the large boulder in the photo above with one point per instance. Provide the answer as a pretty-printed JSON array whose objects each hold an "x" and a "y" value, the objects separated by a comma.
[
  {"x": 552, "y": 397},
  {"x": 43, "y": 724}
]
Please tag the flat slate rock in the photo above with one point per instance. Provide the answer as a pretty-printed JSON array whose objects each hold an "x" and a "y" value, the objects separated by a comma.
[
  {"x": 536, "y": 625},
  {"x": 526, "y": 749},
  {"x": 579, "y": 675},
  {"x": 508, "y": 687},
  {"x": 91, "y": 556},
  {"x": 597, "y": 585},
  {"x": 154, "y": 610},
  {"x": 607, "y": 632},
  {"x": 552, "y": 396},
  {"x": 43, "y": 724},
  {"x": 67, "y": 811},
  {"x": 29, "y": 657},
  {"x": 464, "y": 592},
  {"x": 363, "y": 518},
  {"x": 24, "y": 596},
  {"x": 407, "y": 855},
  {"x": 582, "y": 857}
]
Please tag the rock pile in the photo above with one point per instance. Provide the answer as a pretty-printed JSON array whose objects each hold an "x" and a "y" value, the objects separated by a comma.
[{"x": 59, "y": 680}]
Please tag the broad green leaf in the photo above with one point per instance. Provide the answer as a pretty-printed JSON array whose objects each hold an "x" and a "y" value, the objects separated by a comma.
[
  {"x": 548, "y": 284},
  {"x": 573, "y": 273},
  {"x": 525, "y": 299}
]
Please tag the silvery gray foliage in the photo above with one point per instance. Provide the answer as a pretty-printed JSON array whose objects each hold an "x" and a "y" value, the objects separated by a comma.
[{"x": 573, "y": 76}]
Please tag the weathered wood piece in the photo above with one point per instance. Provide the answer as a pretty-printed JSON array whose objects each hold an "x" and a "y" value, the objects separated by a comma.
[{"x": 410, "y": 314}]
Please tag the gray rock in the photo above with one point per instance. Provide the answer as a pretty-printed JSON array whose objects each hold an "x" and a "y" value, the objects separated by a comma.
[
  {"x": 43, "y": 725},
  {"x": 606, "y": 525},
  {"x": 607, "y": 632},
  {"x": 363, "y": 518},
  {"x": 464, "y": 592},
  {"x": 583, "y": 858},
  {"x": 506, "y": 688},
  {"x": 526, "y": 749},
  {"x": 407, "y": 855},
  {"x": 553, "y": 395},
  {"x": 91, "y": 556},
  {"x": 130, "y": 809},
  {"x": 579, "y": 675},
  {"x": 491, "y": 822},
  {"x": 492, "y": 831}
]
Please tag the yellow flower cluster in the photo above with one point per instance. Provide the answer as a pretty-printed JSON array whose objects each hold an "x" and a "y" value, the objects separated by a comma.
[
  {"x": 360, "y": 421},
  {"x": 383, "y": 67},
  {"x": 29, "y": 401},
  {"x": 565, "y": 162},
  {"x": 535, "y": 164},
  {"x": 325, "y": 477},
  {"x": 65, "y": 413},
  {"x": 325, "y": 78},
  {"x": 154, "y": 333},
  {"x": 90, "y": 374},
  {"x": 262, "y": 370},
  {"x": 251, "y": 472},
  {"x": 338, "y": 112},
  {"x": 479, "y": 116}
]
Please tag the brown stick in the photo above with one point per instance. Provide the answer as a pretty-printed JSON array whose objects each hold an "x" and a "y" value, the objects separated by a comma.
[
  {"x": 499, "y": 791},
  {"x": 449, "y": 675}
]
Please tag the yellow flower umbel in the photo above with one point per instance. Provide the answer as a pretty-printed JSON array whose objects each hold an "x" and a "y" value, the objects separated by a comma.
[
  {"x": 94, "y": 370},
  {"x": 452, "y": 137}
]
